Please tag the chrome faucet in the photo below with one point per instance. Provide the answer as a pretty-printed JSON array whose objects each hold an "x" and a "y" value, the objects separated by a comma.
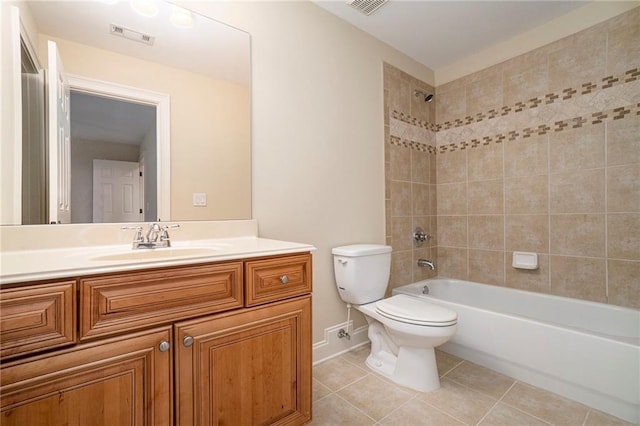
[
  {"x": 153, "y": 233},
  {"x": 427, "y": 263},
  {"x": 157, "y": 236}
]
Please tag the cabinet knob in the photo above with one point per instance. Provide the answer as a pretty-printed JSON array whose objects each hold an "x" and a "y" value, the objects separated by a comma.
[
  {"x": 164, "y": 346},
  {"x": 187, "y": 341},
  {"x": 284, "y": 279}
]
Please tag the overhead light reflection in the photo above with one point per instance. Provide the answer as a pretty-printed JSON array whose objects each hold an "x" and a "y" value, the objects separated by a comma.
[
  {"x": 181, "y": 18},
  {"x": 147, "y": 8}
]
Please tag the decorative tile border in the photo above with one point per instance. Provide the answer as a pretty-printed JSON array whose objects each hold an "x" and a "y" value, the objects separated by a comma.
[
  {"x": 412, "y": 145},
  {"x": 568, "y": 93},
  {"x": 409, "y": 132},
  {"x": 558, "y": 126}
]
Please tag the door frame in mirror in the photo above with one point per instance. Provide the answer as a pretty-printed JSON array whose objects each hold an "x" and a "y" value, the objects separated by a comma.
[{"x": 162, "y": 103}]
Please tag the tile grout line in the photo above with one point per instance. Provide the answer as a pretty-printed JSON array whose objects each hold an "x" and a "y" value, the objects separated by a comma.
[
  {"x": 397, "y": 408},
  {"x": 445, "y": 413},
  {"x": 497, "y": 402},
  {"x": 359, "y": 410},
  {"x": 528, "y": 413}
]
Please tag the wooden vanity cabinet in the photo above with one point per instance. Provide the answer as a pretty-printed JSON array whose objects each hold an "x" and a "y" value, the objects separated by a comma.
[{"x": 177, "y": 345}]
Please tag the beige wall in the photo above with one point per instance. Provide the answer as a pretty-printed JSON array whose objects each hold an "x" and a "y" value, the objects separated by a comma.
[
  {"x": 210, "y": 127},
  {"x": 317, "y": 131},
  {"x": 541, "y": 153}
]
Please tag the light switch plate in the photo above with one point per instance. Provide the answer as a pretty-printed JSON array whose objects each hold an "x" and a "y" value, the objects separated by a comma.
[{"x": 199, "y": 199}]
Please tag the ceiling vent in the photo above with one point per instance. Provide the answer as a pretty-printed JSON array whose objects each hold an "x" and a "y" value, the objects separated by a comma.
[
  {"x": 366, "y": 6},
  {"x": 130, "y": 34}
]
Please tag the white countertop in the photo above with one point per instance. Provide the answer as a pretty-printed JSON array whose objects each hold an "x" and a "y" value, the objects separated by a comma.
[{"x": 31, "y": 265}]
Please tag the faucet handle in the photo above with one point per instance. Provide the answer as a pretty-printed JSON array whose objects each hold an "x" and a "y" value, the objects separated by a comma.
[
  {"x": 138, "y": 235},
  {"x": 419, "y": 236},
  {"x": 165, "y": 235}
]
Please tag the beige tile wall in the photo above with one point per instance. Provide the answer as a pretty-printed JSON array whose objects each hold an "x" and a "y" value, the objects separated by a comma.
[
  {"x": 410, "y": 161},
  {"x": 545, "y": 157},
  {"x": 540, "y": 153}
]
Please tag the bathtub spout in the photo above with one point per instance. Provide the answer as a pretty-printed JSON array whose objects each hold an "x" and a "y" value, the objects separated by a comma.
[{"x": 427, "y": 263}]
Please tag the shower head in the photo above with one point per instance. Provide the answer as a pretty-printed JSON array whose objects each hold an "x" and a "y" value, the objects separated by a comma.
[{"x": 428, "y": 97}]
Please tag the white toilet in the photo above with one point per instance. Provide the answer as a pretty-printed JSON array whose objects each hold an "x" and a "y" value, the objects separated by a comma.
[{"x": 403, "y": 330}]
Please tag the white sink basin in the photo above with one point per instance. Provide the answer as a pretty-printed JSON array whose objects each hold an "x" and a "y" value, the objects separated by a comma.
[{"x": 161, "y": 253}]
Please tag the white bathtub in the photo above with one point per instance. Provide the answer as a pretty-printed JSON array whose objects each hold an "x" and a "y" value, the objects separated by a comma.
[{"x": 585, "y": 351}]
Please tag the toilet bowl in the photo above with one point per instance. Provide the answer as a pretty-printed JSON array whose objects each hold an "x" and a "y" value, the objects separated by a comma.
[
  {"x": 403, "y": 349},
  {"x": 403, "y": 330}
]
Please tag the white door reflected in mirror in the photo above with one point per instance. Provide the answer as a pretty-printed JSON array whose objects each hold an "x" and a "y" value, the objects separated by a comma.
[{"x": 116, "y": 191}]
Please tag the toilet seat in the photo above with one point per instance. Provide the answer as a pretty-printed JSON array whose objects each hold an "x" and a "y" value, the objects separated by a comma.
[{"x": 412, "y": 310}]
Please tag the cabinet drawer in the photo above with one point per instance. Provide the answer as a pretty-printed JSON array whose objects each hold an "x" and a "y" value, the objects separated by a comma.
[
  {"x": 37, "y": 317},
  {"x": 128, "y": 301},
  {"x": 277, "y": 278}
]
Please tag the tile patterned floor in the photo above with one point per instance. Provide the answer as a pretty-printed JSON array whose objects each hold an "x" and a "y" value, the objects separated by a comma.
[{"x": 346, "y": 392}]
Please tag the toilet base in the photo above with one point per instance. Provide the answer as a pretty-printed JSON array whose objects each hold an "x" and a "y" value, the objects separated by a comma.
[{"x": 414, "y": 368}]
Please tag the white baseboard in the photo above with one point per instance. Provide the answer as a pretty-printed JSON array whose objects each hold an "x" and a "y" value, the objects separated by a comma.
[{"x": 332, "y": 345}]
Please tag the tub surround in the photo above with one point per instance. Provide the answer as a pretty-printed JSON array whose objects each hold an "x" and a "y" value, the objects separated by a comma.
[
  {"x": 38, "y": 252},
  {"x": 539, "y": 153}
]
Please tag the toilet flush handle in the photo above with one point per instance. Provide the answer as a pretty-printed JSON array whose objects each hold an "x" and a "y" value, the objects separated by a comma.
[{"x": 343, "y": 261}]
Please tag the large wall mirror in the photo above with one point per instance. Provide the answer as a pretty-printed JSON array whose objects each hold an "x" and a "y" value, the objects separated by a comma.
[{"x": 157, "y": 103}]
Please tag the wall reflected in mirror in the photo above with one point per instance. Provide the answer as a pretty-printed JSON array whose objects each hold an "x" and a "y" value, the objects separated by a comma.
[{"x": 204, "y": 73}]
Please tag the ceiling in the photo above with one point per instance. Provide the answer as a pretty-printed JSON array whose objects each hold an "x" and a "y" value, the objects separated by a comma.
[
  {"x": 440, "y": 33},
  {"x": 88, "y": 22},
  {"x": 97, "y": 118}
]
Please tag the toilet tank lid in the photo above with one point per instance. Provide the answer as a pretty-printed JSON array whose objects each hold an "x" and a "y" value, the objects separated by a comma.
[{"x": 361, "y": 250}]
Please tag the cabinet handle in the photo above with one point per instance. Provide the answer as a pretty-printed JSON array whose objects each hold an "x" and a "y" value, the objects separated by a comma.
[
  {"x": 164, "y": 346},
  {"x": 284, "y": 279},
  {"x": 187, "y": 341}
]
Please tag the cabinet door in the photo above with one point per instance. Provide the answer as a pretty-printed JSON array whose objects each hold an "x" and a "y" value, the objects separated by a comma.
[
  {"x": 249, "y": 368},
  {"x": 123, "y": 381}
]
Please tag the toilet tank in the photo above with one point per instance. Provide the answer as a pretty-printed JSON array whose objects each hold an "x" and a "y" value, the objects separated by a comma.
[{"x": 362, "y": 272}]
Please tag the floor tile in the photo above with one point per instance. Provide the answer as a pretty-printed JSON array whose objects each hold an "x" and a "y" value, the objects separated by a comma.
[
  {"x": 334, "y": 375},
  {"x": 347, "y": 392},
  {"x": 446, "y": 362},
  {"x": 481, "y": 379},
  {"x": 319, "y": 390},
  {"x": 545, "y": 405},
  {"x": 503, "y": 415},
  {"x": 374, "y": 396},
  {"x": 334, "y": 410},
  {"x": 416, "y": 412},
  {"x": 459, "y": 401}
]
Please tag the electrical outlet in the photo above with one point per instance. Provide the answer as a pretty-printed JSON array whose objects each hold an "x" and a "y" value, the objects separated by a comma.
[{"x": 199, "y": 199}]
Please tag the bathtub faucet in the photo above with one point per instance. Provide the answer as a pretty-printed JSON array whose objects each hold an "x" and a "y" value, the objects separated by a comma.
[{"x": 427, "y": 263}]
